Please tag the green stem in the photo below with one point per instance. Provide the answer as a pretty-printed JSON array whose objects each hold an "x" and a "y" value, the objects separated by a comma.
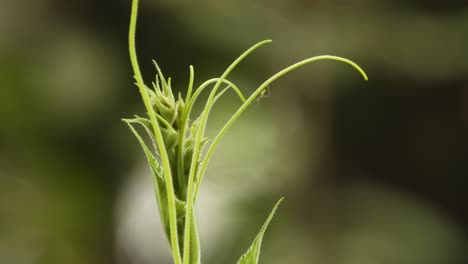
[
  {"x": 196, "y": 150},
  {"x": 157, "y": 131},
  {"x": 183, "y": 125},
  {"x": 164, "y": 121}
]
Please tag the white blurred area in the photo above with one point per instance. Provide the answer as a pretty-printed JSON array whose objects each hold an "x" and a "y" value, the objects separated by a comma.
[{"x": 140, "y": 236}]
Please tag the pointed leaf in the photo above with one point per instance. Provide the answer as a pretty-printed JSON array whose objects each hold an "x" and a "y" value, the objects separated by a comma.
[
  {"x": 149, "y": 155},
  {"x": 165, "y": 87},
  {"x": 253, "y": 253},
  {"x": 146, "y": 124},
  {"x": 158, "y": 179}
]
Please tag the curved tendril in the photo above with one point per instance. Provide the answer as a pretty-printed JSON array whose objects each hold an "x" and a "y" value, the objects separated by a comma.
[
  {"x": 190, "y": 87},
  {"x": 255, "y": 94}
]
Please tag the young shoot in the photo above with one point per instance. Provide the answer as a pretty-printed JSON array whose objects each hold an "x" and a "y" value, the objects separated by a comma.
[{"x": 175, "y": 156}]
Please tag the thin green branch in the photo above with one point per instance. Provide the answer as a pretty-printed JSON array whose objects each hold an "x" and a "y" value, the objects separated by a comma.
[
  {"x": 197, "y": 147},
  {"x": 157, "y": 131}
]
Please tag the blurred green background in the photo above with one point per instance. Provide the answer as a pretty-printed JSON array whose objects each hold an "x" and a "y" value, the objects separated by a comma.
[{"x": 373, "y": 172}]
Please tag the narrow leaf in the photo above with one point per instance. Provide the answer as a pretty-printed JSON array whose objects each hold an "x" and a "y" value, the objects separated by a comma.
[
  {"x": 158, "y": 179},
  {"x": 253, "y": 253},
  {"x": 151, "y": 159},
  {"x": 165, "y": 85},
  {"x": 146, "y": 124}
]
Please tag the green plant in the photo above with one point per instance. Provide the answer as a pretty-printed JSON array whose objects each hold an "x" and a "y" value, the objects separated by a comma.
[{"x": 176, "y": 159}]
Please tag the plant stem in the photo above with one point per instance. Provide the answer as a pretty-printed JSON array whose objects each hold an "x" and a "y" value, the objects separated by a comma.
[
  {"x": 157, "y": 132},
  {"x": 192, "y": 190}
]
